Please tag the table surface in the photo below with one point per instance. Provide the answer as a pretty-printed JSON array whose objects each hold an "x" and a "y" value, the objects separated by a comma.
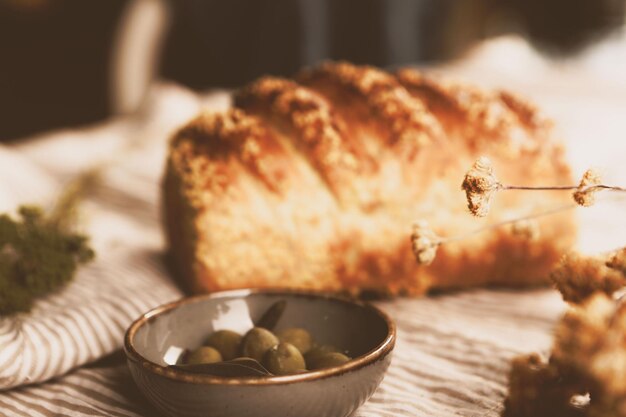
[{"x": 453, "y": 350}]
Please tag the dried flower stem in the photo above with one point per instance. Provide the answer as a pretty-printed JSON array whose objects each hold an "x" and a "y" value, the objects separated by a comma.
[
  {"x": 584, "y": 193},
  {"x": 65, "y": 209},
  {"x": 426, "y": 242},
  {"x": 506, "y": 222},
  {"x": 562, "y": 187},
  {"x": 481, "y": 184}
]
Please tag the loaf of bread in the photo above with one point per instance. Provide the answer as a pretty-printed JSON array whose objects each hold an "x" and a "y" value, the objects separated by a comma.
[{"x": 314, "y": 183}]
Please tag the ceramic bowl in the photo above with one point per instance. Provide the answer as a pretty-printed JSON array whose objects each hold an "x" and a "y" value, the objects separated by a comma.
[{"x": 157, "y": 339}]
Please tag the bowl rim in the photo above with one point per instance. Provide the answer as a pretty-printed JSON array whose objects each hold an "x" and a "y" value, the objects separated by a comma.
[{"x": 378, "y": 352}]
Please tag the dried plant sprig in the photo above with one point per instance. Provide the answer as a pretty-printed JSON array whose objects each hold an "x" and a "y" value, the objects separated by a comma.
[
  {"x": 588, "y": 358},
  {"x": 585, "y": 193},
  {"x": 537, "y": 389},
  {"x": 618, "y": 261},
  {"x": 590, "y": 346},
  {"x": 36, "y": 258},
  {"x": 39, "y": 252},
  {"x": 424, "y": 243},
  {"x": 578, "y": 277},
  {"x": 480, "y": 185},
  {"x": 65, "y": 209}
]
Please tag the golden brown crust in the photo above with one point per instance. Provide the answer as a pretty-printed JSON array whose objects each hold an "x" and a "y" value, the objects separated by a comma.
[
  {"x": 407, "y": 121},
  {"x": 221, "y": 136},
  {"x": 178, "y": 214},
  {"x": 526, "y": 112},
  {"x": 481, "y": 116},
  {"x": 315, "y": 184},
  {"x": 309, "y": 118}
]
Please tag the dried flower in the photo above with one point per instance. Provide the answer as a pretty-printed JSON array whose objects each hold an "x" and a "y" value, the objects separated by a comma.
[
  {"x": 424, "y": 243},
  {"x": 480, "y": 184},
  {"x": 526, "y": 229},
  {"x": 618, "y": 261},
  {"x": 588, "y": 358},
  {"x": 579, "y": 277},
  {"x": 536, "y": 389},
  {"x": 584, "y": 194},
  {"x": 590, "y": 345}
]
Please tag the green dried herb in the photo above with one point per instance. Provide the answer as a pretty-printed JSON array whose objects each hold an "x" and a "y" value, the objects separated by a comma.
[{"x": 39, "y": 254}]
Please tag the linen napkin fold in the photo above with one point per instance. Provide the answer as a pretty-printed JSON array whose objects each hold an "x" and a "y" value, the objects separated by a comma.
[
  {"x": 83, "y": 322},
  {"x": 87, "y": 319}
]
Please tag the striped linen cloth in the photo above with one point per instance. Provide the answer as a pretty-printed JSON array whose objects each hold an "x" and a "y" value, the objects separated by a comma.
[
  {"x": 451, "y": 359},
  {"x": 453, "y": 351},
  {"x": 87, "y": 320},
  {"x": 84, "y": 322}
]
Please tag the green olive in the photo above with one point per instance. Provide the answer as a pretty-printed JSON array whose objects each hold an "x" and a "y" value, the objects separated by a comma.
[
  {"x": 204, "y": 354},
  {"x": 284, "y": 359},
  {"x": 256, "y": 342},
  {"x": 326, "y": 360},
  {"x": 226, "y": 342},
  {"x": 315, "y": 351},
  {"x": 298, "y": 337}
]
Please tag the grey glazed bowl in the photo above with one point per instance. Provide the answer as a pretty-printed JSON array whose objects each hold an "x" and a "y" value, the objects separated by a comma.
[{"x": 158, "y": 337}]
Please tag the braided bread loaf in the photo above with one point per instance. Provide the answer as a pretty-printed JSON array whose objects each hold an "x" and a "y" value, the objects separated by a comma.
[{"x": 314, "y": 183}]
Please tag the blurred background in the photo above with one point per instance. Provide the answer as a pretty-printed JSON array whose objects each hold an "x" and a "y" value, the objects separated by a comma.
[{"x": 68, "y": 63}]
